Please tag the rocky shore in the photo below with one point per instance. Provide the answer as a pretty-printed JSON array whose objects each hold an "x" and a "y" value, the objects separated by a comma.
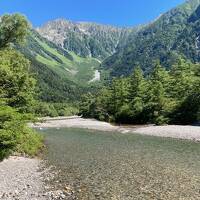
[
  {"x": 171, "y": 131},
  {"x": 20, "y": 178},
  {"x": 27, "y": 179}
]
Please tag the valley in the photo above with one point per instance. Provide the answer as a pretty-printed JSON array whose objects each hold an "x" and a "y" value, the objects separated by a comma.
[
  {"x": 96, "y": 111},
  {"x": 75, "y": 50}
]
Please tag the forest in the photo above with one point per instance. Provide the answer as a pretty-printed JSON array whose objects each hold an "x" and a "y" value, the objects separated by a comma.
[{"x": 160, "y": 97}]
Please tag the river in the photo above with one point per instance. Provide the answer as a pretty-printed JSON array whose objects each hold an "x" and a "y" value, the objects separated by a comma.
[{"x": 102, "y": 165}]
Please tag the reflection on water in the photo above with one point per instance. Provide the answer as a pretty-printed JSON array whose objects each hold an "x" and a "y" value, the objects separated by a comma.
[{"x": 118, "y": 166}]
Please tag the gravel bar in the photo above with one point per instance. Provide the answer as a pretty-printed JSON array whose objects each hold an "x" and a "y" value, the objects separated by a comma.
[{"x": 172, "y": 131}]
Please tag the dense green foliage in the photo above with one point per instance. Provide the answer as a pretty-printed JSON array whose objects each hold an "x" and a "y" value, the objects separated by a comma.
[
  {"x": 17, "y": 85},
  {"x": 162, "y": 39},
  {"x": 188, "y": 42},
  {"x": 13, "y": 29},
  {"x": 15, "y": 135},
  {"x": 162, "y": 97},
  {"x": 55, "y": 109},
  {"x": 17, "y": 91}
]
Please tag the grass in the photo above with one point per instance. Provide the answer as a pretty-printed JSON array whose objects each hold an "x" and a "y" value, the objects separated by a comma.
[
  {"x": 66, "y": 61},
  {"x": 49, "y": 62}
]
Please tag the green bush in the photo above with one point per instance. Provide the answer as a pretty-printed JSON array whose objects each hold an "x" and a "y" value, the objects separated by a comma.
[
  {"x": 15, "y": 136},
  {"x": 30, "y": 142}
]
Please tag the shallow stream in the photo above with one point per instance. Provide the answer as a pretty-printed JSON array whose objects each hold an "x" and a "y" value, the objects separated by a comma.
[{"x": 101, "y": 165}]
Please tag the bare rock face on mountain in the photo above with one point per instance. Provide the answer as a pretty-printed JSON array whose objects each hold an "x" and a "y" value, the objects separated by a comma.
[{"x": 84, "y": 38}]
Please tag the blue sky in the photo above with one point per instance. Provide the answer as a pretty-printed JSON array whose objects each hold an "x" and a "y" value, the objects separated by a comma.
[{"x": 115, "y": 12}]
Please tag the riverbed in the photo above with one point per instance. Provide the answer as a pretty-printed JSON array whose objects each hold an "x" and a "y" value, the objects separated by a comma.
[{"x": 110, "y": 165}]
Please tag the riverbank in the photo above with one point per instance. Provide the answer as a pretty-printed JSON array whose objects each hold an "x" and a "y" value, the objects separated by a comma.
[
  {"x": 30, "y": 179},
  {"x": 171, "y": 131},
  {"x": 20, "y": 178}
]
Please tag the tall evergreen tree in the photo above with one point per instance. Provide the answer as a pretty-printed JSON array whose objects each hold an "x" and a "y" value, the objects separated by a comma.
[
  {"x": 157, "y": 104},
  {"x": 161, "y": 97},
  {"x": 184, "y": 88},
  {"x": 137, "y": 95}
]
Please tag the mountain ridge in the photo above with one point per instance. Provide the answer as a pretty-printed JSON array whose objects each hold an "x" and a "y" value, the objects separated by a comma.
[
  {"x": 154, "y": 42},
  {"x": 87, "y": 39}
]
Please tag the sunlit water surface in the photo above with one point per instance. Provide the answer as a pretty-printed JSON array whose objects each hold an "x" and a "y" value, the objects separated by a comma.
[{"x": 104, "y": 165}]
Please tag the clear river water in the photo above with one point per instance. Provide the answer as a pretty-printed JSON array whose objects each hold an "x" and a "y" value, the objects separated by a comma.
[{"x": 104, "y": 165}]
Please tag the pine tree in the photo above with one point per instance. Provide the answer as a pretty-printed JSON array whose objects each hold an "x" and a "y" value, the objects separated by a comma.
[
  {"x": 184, "y": 89},
  {"x": 157, "y": 104},
  {"x": 137, "y": 95}
]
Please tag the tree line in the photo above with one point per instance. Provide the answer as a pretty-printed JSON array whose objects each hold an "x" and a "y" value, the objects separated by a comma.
[{"x": 161, "y": 97}]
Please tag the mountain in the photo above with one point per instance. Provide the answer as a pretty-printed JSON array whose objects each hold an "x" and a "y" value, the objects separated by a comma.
[
  {"x": 155, "y": 41},
  {"x": 61, "y": 75},
  {"x": 65, "y": 56},
  {"x": 188, "y": 43},
  {"x": 66, "y": 64},
  {"x": 86, "y": 39}
]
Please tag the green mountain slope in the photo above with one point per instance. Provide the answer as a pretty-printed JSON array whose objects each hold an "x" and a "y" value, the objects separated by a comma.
[
  {"x": 66, "y": 64},
  {"x": 155, "y": 41},
  {"x": 51, "y": 87},
  {"x": 188, "y": 43},
  {"x": 61, "y": 75}
]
